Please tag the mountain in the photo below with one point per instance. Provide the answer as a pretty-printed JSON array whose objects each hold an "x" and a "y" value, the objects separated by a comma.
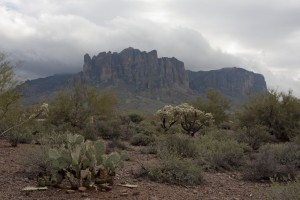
[
  {"x": 235, "y": 83},
  {"x": 141, "y": 70},
  {"x": 143, "y": 81},
  {"x": 43, "y": 89}
]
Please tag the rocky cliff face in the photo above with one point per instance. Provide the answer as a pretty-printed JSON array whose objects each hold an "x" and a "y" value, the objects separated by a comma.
[
  {"x": 232, "y": 82},
  {"x": 141, "y": 70},
  {"x": 145, "y": 82}
]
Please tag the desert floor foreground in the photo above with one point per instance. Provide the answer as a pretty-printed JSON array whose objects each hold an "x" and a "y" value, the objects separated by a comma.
[{"x": 228, "y": 186}]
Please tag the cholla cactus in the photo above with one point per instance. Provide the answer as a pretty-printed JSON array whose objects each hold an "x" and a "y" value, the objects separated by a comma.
[
  {"x": 42, "y": 110},
  {"x": 168, "y": 116},
  {"x": 190, "y": 118}
]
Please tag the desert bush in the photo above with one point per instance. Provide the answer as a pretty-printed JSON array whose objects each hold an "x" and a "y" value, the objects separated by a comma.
[
  {"x": 214, "y": 133},
  {"x": 274, "y": 160},
  {"x": 145, "y": 127},
  {"x": 254, "y": 136},
  {"x": 289, "y": 190},
  {"x": 178, "y": 144},
  {"x": 175, "y": 170},
  {"x": 114, "y": 145},
  {"x": 26, "y": 136},
  {"x": 36, "y": 161},
  {"x": 18, "y": 136},
  {"x": 142, "y": 139},
  {"x": 135, "y": 118},
  {"x": 226, "y": 125},
  {"x": 220, "y": 154},
  {"x": 13, "y": 138},
  {"x": 89, "y": 132},
  {"x": 110, "y": 129},
  {"x": 52, "y": 138},
  {"x": 151, "y": 149}
]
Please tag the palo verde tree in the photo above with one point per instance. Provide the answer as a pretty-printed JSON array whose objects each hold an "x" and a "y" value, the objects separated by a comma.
[
  {"x": 13, "y": 117},
  {"x": 9, "y": 96},
  {"x": 279, "y": 112},
  {"x": 215, "y": 104},
  {"x": 82, "y": 103}
]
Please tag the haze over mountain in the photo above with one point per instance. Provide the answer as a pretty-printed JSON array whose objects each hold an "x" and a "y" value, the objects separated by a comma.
[{"x": 145, "y": 82}]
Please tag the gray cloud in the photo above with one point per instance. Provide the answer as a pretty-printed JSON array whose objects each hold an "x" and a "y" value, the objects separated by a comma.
[{"x": 52, "y": 36}]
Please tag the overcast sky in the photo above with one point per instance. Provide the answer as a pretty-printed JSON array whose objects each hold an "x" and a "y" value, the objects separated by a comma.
[{"x": 51, "y": 36}]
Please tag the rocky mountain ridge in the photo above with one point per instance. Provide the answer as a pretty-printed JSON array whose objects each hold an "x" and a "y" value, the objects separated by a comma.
[
  {"x": 142, "y": 80},
  {"x": 143, "y": 70}
]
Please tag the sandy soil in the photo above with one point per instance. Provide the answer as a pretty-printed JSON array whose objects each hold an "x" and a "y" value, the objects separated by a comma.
[{"x": 227, "y": 186}]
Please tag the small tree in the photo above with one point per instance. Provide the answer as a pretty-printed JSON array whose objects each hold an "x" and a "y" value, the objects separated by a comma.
[
  {"x": 215, "y": 104},
  {"x": 279, "y": 112},
  {"x": 9, "y": 97},
  {"x": 75, "y": 107},
  {"x": 102, "y": 105}
]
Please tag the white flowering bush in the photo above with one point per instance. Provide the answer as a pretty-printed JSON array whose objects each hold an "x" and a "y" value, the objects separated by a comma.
[{"x": 191, "y": 119}]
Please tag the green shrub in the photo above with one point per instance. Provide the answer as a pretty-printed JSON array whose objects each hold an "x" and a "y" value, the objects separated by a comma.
[
  {"x": 142, "y": 140},
  {"x": 174, "y": 170},
  {"x": 16, "y": 137},
  {"x": 89, "y": 132},
  {"x": 52, "y": 138},
  {"x": 219, "y": 154},
  {"x": 109, "y": 129},
  {"x": 115, "y": 145},
  {"x": 219, "y": 134},
  {"x": 13, "y": 138},
  {"x": 287, "y": 191},
  {"x": 178, "y": 144},
  {"x": 226, "y": 125},
  {"x": 135, "y": 118},
  {"x": 274, "y": 160},
  {"x": 36, "y": 161},
  {"x": 254, "y": 136},
  {"x": 26, "y": 137},
  {"x": 151, "y": 149}
]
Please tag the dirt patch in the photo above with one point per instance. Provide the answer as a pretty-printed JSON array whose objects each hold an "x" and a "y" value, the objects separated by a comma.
[{"x": 227, "y": 186}]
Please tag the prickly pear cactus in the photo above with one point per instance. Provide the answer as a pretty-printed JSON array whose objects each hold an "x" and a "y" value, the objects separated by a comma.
[{"x": 82, "y": 162}]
